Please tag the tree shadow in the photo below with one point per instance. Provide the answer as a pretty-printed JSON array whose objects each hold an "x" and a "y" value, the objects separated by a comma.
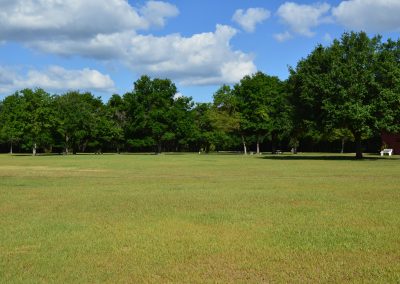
[
  {"x": 324, "y": 157},
  {"x": 37, "y": 155}
]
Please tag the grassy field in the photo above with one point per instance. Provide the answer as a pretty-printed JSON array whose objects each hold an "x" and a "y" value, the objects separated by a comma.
[{"x": 199, "y": 218}]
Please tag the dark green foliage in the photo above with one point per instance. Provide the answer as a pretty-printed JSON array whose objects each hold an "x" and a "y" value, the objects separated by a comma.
[
  {"x": 182, "y": 124},
  {"x": 348, "y": 86},
  {"x": 82, "y": 121},
  {"x": 225, "y": 119},
  {"x": 264, "y": 108},
  {"x": 116, "y": 118},
  {"x": 202, "y": 135},
  {"x": 348, "y": 91},
  {"x": 156, "y": 117},
  {"x": 36, "y": 116},
  {"x": 11, "y": 122},
  {"x": 388, "y": 79}
]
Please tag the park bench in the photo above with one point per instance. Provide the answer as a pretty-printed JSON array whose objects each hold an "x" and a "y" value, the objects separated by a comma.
[{"x": 387, "y": 151}]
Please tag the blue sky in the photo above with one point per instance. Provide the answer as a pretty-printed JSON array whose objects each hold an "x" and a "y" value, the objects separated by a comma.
[{"x": 103, "y": 46}]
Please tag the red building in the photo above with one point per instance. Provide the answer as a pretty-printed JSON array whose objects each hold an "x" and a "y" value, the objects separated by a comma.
[{"x": 391, "y": 141}]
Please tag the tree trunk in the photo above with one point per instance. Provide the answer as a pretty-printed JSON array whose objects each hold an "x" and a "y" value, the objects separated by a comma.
[
  {"x": 244, "y": 145},
  {"x": 294, "y": 143},
  {"x": 342, "y": 150},
  {"x": 66, "y": 144},
  {"x": 258, "y": 145},
  {"x": 359, "y": 154},
  {"x": 273, "y": 150},
  {"x": 84, "y": 145},
  {"x": 158, "y": 147},
  {"x": 11, "y": 147},
  {"x": 34, "y": 150},
  {"x": 273, "y": 144}
]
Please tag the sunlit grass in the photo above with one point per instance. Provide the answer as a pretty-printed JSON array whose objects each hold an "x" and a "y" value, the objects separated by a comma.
[{"x": 199, "y": 218}]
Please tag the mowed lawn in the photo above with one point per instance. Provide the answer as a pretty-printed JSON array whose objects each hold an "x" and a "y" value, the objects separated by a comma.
[{"x": 199, "y": 218}]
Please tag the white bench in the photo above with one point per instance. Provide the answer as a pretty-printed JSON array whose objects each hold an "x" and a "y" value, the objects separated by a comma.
[{"x": 387, "y": 151}]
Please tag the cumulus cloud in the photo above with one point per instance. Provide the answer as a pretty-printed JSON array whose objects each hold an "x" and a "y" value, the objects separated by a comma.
[
  {"x": 369, "y": 15},
  {"x": 156, "y": 12},
  {"x": 201, "y": 59},
  {"x": 55, "y": 78},
  {"x": 302, "y": 18},
  {"x": 205, "y": 58},
  {"x": 23, "y": 20},
  {"x": 111, "y": 30},
  {"x": 250, "y": 18},
  {"x": 7, "y": 78}
]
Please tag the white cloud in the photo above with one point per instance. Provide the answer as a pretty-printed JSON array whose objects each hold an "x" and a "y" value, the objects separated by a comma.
[
  {"x": 369, "y": 15},
  {"x": 302, "y": 18},
  {"x": 23, "y": 20},
  {"x": 178, "y": 95},
  {"x": 281, "y": 37},
  {"x": 7, "y": 78},
  {"x": 250, "y": 18},
  {"x": 55, "y": 78},
  {"x": 156, "y": 12},
  {"x": 108, "y": 30},
  {"x": 197, "y": 60}
]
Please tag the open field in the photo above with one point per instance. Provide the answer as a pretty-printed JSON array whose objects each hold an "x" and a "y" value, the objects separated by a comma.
[{"x": 199, "y": 218}]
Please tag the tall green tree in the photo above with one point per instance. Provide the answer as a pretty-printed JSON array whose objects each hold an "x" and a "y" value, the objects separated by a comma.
[
  {"x": 306, "y": 87},
  {"x": 388, "y": 79},
  {"x": 38, "y": 116},
  {"x": 149, "y": 110},
  {"x": 202, "y": 135},
  {"x": 280, "y": 114},
  {"x": 76, "y": 119},
  {"x": 117, "y": 121},
  {"x": 11, "y": 120},
  {"x": 182, "y": 123},
  {"x": 350, "y": 104},
  {"x": 225, "y": 117},
  {"x": 263, "y": 107},
  {"x": 338, "y": 88}
]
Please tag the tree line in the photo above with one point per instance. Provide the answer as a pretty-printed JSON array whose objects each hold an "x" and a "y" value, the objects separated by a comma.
[{"x": 348, "y": 91}]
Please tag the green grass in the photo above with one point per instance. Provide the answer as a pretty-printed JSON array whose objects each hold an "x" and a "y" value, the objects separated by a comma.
[{"x": 199, "y": 218}]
